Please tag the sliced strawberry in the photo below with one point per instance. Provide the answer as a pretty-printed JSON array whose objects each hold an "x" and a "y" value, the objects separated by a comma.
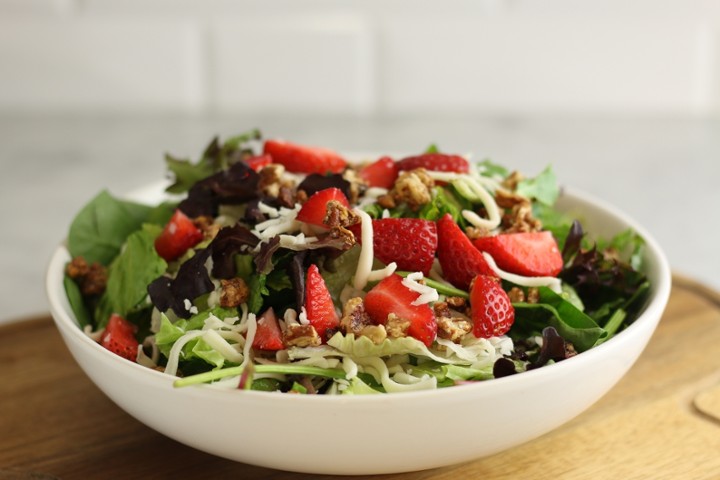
[
  {"x": 532, "y": 254},
  {"x": 459, "y": 259},
  {"x": 391, "y": 296},
  {"x": 314, "y": 209},
  {"x": 179, "y": 234},
  {"x": 492, "y": 310},
  {"x": 258, "y": 162},
  {"x": 319, "y": 306},
  {"x": 409, "y": 242},
  {"x": 119, "y": 337},
  {"x": 439, "y": 162},
  {"x": 268, "y": 335},
  {"x": 381, "y": 173},
  {"x": 304, "y": 159}
]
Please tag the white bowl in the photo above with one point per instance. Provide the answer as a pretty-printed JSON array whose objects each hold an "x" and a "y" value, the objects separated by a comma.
[{"x": 375, "y": 433}]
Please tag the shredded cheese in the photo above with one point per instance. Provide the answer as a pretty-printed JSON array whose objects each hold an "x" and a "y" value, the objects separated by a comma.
[
  {"x": 427, "y": 294},
  {"x": 551, "y": 282},
  {"x": 366, "y": 252},
  {"x": 285, "y": 222},
  {"x": 474, "y": 184}
]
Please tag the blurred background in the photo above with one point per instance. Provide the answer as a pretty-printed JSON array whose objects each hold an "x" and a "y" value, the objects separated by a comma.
[{"x": 622, "y": 98}]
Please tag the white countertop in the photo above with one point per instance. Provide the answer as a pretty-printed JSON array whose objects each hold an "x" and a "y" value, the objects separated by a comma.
[{"x": 662, "y": 172}]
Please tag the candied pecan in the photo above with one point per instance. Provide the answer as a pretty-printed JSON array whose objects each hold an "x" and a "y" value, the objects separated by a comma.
[
  {"x": 476, "y": 232},
  {"x": 441, "y": 309},
  {"x": 92, "y": 279},
  {"x": 286, "y": 197},
  {"x": 533, "y": 295},
  {"x": 338, "y": 215},
  {"x": 354, "y": 316},
  {"x": 346, "y": 237},
  {"x": 207, "y": 226},
  {"x": 357, "y": 184},
  {"x": 386, "y": 201},
  {"x": 512, "y": 180},
  {"x": 271, "y": 180},
  {"x": 453, "y": 329},
  {"x": 301, "y": 196},
  {"x": 413, "y": 187},
  {"x": 508, "y": 199},
  {"x": 299, "y": 335},
  {"x": 376, "y": 333},
  {"x": 234, "y": 292},
  {"x": 516, "y": 295},
  {"x": 396, "y": 327},
  {"x": 456, "y": 302},
  {"x": 520, "y": 219},
  {"x": 569, "y": 350}
]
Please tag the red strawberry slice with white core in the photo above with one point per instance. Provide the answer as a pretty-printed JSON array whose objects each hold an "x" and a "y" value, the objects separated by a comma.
[
  {"x": 492, "y": 310},
  {"x": 319, "y": 306},
  {"x": 531, "y": 254},
  {"x": 314, "y": 209},
  {"x": 392, "y": 296},
  {"x": 268, "y": 335},
  {"x": 304, "y": 159},
  {"x": 119, "y": 337},
  {"x": 459, "y": 259},
  {"x": 438, "y": 162},
  {"x": 178, "y": 235},
  {"x": 381, "y": 173},
  {"x": 409, "y": 242}
]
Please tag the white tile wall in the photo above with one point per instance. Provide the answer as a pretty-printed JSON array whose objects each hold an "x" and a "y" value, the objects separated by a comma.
[
  {"x": 99, "y": 64},
  {"x": 361, "y": 57}
]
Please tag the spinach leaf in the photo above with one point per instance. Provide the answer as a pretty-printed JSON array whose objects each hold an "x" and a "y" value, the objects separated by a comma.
[
  {"x": 76, "y": 301},
  {"x": 489, "y": 169},
  {"x": 102, "y": 226},
  {"x": 129, "y": 275},
  {"x": 552, "y": 309},
  {"x": 258, "y": 290}
]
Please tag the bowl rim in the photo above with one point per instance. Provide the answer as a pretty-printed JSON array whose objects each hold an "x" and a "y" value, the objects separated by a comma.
[{"x": 658, "y": 297}]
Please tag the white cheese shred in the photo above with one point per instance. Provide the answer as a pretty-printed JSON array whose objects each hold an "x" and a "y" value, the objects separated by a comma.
[
  {"x": 427, "y": 294},
  {"x": 366, "y": 252},
  {"x": 551, "y": 282}
]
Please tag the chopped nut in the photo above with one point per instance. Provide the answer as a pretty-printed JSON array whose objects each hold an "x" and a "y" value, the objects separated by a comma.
[
  {"x": 453, "y": 329},
  {"x": 516, "y": 295},
  {"x": 476, "y": 232},
  {"x": 301, "y": 196},
  {"x": 508, "y": 199},
  {"x": 207, "y": 226},
  {"x": 357, "y": 184},
  {"x": 376, "y": 333},
  {"x": 569, "y": 350},
  {"x": 354, "y": 318},
  {"x": 386, "y": 201},
  {"x": 441, "y": 309},
  {"x": 533, "y": 295},
  {"x": 91, "y": 279},
  {"x": 456, "y": 302},
  {"x": 234, "y": 292},
  {"x": 396, "y": 327},
  {"x": 298, "y": 335},
  {"x": 413, "y": 187},
  {"x": 271, "y": 180},
  {"x": 338, "y": 215},
  {"x": 512, "y": 180},
  {"x": 520, "y": 219}
]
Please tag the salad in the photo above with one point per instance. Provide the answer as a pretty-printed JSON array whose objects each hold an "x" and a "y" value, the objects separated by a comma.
[{"x": 282, "y": 267}]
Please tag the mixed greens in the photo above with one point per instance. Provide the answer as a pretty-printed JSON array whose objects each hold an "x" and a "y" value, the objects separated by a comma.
[{"x": 281, "y": 267}]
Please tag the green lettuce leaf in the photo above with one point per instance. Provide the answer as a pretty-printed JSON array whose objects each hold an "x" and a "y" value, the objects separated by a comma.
[
  {"x": 552, "y": 309},
  {"x": 542, "y": 188}
]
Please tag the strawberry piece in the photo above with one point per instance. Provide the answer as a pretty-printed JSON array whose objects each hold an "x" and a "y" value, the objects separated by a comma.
[
  {"x": 258, "y": 162},
  {"x": 119, "y": 337},
  {"x": 459, "y": 259},
  {"x": 492, "y": 310},
  {"x": 391, "y": 296},
  {"x": 177, "y": 237},
  {"x": 314, "y": 209},
  {"x": 381, "y": 173},
  {"x": 319, "y": 306},
  {"x": 439, "y": 162},
  {"x": 304, "y": 159},
  {"x": 409, "y": 242},
  {"x": 532, "y": 254},
  {"x": 268, "y": 335}
]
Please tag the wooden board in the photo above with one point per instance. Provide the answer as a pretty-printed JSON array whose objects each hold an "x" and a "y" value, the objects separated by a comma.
[{"x": 661, "y": 421}]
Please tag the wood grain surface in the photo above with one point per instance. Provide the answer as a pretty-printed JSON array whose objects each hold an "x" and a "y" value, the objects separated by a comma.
[{"x": 662, "y": 421}]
